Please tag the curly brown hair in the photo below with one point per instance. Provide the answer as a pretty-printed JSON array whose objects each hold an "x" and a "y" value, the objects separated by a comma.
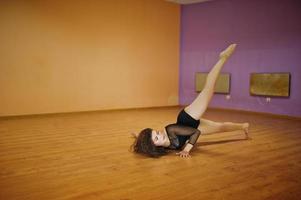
[{"x": 144, "y": 145}]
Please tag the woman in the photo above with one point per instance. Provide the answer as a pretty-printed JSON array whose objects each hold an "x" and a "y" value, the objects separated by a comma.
[{"x": 184, "y": 134}]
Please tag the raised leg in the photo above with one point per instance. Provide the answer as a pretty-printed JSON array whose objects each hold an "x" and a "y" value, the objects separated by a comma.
[
  {"x": 198, "y": 107},
  {"x": 208, "y": 127}
]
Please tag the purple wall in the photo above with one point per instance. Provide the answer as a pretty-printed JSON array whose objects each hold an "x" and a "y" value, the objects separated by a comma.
[{"x": 268, "y": 34}]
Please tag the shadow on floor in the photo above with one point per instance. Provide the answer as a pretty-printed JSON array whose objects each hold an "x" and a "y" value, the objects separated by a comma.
[{"x": 218, "y": 142}]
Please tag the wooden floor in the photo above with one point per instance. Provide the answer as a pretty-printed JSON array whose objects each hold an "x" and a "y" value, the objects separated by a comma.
[{"x": 86, "y": 156}]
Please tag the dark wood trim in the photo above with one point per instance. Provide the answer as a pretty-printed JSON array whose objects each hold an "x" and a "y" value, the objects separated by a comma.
[
  {"x": 81, "y": 112},
  {"x": 257, "y": 113},
  {"x": 155, "y": 107}
]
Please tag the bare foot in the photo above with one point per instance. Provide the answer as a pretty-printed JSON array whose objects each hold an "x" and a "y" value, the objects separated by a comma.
[
  {"x": 227, "y": 52},
  {"x": 246, "y": 130}
]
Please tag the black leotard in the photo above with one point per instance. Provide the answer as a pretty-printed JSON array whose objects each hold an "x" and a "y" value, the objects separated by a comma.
[{"x": 184, "y": 130}]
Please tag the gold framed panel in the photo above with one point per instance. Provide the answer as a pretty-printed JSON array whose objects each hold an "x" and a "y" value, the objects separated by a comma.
[
  {"x": 222, "y": 84},
  {"x": 270, "y": 84}
]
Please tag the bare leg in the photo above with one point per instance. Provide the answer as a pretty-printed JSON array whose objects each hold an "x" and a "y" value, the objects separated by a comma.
[
  {"x": 198, "y": 107},
  {"x": 208, "y": 127}
]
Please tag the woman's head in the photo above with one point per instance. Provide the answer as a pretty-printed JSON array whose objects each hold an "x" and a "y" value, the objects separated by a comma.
[{"x": 144, "y": 144}]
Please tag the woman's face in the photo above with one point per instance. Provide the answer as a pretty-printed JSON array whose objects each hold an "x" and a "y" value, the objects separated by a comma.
[{"x": 160, "y": 139}]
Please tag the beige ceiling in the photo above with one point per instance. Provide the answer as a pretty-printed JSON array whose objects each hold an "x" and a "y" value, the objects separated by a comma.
[{"x": 187, "y": 1}]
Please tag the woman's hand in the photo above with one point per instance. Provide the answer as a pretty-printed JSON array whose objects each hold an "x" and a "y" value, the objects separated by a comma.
[{"x": 184, "y": 154}]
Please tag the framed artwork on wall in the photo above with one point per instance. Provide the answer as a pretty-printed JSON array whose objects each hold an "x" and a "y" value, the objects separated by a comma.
[
  {"x": 270, "y": 84},
  {"x": 222, "y": 84}
]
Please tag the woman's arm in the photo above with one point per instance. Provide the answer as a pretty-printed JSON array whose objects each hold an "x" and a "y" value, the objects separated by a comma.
[{"x": 185, "y": 131}]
